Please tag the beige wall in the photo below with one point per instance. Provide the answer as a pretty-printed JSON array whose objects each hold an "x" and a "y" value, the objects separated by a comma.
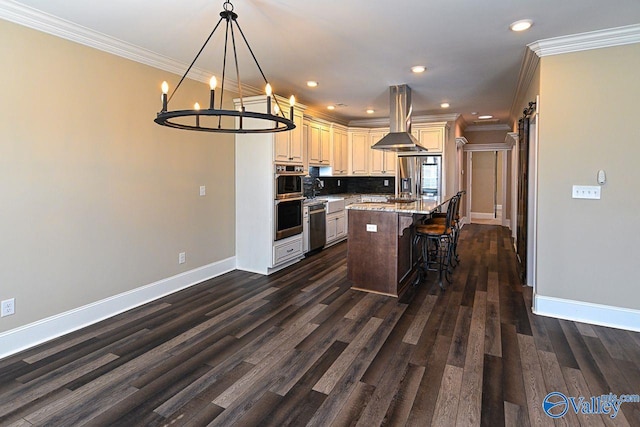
[
  {"x": 450, "y": 150},
  {"x": 588, "y": 250},
  {"x": 485, "y": 136},
  {"x": 483, "y": 181},
  {"x": 96, "y": 198}
]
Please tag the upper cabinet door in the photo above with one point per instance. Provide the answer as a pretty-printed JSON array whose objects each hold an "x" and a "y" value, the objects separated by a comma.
[
  {"x": 432, "y": 138},
  {"x": 380, "y": 162},
  {"x": 359, "y": 150},
  {"x": 319, "y": 144},
  {"x": 325, "y": 146},
  {"x": 315, "y": 146},
  {"x": 281, "y": 147},
  {"x": 296, "y": 144},
  {"x": 287, "y": 147},
  {"x": 340, "y": 160}
]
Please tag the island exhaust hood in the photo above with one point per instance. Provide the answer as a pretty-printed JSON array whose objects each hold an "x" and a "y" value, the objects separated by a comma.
[{"x": 399, "y": 138}]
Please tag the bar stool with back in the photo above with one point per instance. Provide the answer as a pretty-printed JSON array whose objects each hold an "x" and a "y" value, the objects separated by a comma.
[{"x": 437, "y": 242}]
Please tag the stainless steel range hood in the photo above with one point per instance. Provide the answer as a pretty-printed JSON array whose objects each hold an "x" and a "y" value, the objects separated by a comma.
[{"x": 399, "y": 138}]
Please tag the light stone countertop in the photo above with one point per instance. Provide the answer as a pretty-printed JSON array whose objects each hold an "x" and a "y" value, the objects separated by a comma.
[{"x": 422, "y": 206}]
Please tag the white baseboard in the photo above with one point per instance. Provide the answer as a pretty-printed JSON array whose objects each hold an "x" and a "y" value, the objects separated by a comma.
[
  {"x": 35, "y": 333},
  {"x": 483, "y": 215},
  {"x": 585, "y": 312}
]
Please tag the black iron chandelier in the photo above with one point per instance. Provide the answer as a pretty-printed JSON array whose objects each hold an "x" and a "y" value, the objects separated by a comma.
[{"x": 212, "y": 122}]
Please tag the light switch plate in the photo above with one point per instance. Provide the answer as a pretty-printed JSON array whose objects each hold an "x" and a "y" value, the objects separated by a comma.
[
  {"x": 203, "y": 190},
  {"x": 586, "y": 192},
  {"x": 373, "y": 228}
]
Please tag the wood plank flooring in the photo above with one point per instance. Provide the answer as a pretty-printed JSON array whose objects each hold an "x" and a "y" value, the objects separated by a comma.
[{"x": 301, "y": 348}]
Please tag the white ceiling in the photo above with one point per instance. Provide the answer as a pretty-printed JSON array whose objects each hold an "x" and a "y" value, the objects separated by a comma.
[{"x": 356, "y": 49}]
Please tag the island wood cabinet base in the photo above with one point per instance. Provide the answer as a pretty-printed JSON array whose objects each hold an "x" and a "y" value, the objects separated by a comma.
[{"x": 381, "y": 255}]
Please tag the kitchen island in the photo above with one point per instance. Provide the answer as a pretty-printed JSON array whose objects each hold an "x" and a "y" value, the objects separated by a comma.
[{"x": 382, "y": 254}]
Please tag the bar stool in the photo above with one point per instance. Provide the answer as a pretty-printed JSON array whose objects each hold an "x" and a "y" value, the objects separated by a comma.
[
  {"x": 456, "y": 226},
  {"x": 437, "y": 243}
]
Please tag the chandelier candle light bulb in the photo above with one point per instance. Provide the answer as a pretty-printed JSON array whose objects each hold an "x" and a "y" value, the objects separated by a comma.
[
  {"x": 165, "y": 90},
  {"x": 292, "y": 103},
  {"x": 212, "y": 84},
  {"x": 267, "y": 89}
]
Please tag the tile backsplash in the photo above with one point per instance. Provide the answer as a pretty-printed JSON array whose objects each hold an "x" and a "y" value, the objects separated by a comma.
[{"x": 338, "y": 185}]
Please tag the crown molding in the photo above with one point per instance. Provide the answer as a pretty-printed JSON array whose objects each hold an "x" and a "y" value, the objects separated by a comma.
[
  {"x": 492, "y": 146},
  {"x": 486, "y": 128},
  {"x": 511, "y": 138},
  {"x": 585, "y": 41},
  {"x": 312, "y": 113},
  {"x": 528, "y": 69},
  {"x": 449, "y": 117},
  {"x": 384, "y": 121},
  {"x": 461, "y": 141},
  {"x": 40, "y": 21}
]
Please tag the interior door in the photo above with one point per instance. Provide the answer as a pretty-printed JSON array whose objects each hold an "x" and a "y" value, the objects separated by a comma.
[{"x": 523, "y": 194}]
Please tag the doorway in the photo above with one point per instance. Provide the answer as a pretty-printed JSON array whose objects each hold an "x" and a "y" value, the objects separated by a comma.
[
  {"x": 487, "y": 188},
  {"x": 527, "y": 180},
  {"x": 488, "y": 167}
]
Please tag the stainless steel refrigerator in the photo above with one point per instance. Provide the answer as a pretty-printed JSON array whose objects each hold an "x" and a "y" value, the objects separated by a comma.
[{"x": 419, "y": 176}]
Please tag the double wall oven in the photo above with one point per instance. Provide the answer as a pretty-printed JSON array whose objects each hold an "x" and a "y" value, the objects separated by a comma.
[{"x": 289, "y": 200}]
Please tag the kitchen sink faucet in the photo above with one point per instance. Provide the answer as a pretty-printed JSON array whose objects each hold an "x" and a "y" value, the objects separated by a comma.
[{"x": 317, "y": 185}]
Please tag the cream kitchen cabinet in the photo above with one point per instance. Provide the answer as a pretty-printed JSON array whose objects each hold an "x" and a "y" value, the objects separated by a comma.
[
  {"x": 431, "y": 135},
  {"x": 340, "y": 152},
  {"x": 336, "y": 227},
  {"x": 381, "y": 163},
  {"x": 336, "y": 221},
  {"x": 257, "y": 248},
  {"x": 288, "y": 146},
  {"x": 319, "y": 143},
  {"x": 359, "y": 148}
]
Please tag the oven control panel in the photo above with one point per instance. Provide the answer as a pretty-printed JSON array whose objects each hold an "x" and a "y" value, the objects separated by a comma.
[{"x": 289, "y": 169}]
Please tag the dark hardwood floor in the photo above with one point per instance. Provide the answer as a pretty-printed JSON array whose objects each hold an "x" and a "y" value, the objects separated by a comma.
[{"x": 301, "y": 348}]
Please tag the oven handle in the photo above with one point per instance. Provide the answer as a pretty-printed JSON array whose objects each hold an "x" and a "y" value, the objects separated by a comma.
[
  {"x": 293, "y": 199},
  {"x": 278, "y": 175}
]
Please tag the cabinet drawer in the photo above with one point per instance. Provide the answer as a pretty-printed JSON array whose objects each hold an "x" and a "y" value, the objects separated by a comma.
[{"x": 286, "y": 251}]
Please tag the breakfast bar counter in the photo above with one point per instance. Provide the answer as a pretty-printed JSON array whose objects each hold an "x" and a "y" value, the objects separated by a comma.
[{"x": 382, "y": 255}]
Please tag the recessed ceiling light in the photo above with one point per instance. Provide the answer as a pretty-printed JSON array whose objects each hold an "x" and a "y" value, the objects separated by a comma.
[
  {"x": 370, "y": 111},
  {"x": 418, "y": 69},
  {"x": 312, "y": 83},
  {"x": 485, "y": 117},
  {"x": 331, "y": 107},
  {"x": 445, "y": 105},
  {"x": 521, "y": 25},
  {"x": 474, "y": 113}
]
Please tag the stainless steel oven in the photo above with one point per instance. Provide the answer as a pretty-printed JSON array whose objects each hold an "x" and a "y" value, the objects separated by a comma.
[
  {"x": 288, "y": 181},
  {"x": 288, "y": 217}
]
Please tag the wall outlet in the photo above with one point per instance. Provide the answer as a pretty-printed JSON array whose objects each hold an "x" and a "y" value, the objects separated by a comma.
[
  {"x": 203, "y": 190},
  {"x": 372, "y": 228},
  {"x": 386, "y": 182},
  {"x": 182, "y": 257},
  {"x": 338, "y": 183},
  {"x": 8, "y": 307}
]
